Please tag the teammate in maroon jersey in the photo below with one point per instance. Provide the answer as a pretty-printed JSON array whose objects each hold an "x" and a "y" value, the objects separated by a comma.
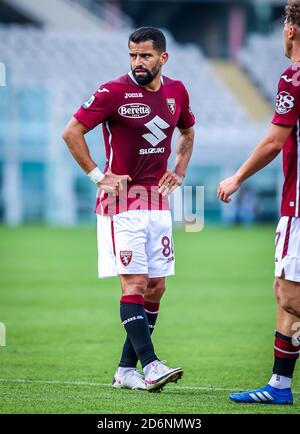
[
  {"x": 138, "y": 112},
  {"x": 283, "y": 135}
]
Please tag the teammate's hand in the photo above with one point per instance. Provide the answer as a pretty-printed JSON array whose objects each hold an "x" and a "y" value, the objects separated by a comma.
[
  {"x": 113, "y": 184},
  {"x": 227, "y": 187},
  {"x": 169, "y": 182}
]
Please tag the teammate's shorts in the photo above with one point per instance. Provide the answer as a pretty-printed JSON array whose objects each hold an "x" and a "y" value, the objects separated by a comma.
[
  {"x": 287, "y": 249},
  {"x": 135, "y": 242}
]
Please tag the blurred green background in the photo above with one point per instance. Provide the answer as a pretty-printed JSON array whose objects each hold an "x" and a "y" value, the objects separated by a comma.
[{"x": 64, "y": 335}]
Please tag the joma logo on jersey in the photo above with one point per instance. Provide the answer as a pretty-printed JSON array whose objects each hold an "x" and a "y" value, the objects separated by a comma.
[
  {"x": 134, "y": 110},
  {"x": 133, "y": 95}
]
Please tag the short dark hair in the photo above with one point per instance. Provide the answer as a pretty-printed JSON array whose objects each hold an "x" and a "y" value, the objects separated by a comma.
[
  {"x": 292, "y": 12},
  {"x": 153, "y": 34}
]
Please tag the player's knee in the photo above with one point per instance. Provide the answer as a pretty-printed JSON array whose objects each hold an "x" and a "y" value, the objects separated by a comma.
[
  {"x": 290, "y": 308},
  {"x": 155, "y": 290},
  {"x": 134, "y": 285},
  {"x": 287, "y": 298},
  {"x": 290, "y": 304},
  {"x": 154, "y": 294}
]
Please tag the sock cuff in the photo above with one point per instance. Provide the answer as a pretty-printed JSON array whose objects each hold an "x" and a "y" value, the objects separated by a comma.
[
  {"x": 151, "y": 307},
  {"x": 284, "y": 348},
  {"x": 282, "y": 337},
  {"x": 132, "y": 299}
]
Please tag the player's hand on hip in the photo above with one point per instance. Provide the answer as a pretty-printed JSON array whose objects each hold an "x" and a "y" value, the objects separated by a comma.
[
  {"x": 169, "y": 182},
  {"x": 227, "y": 187},
  {"x": 113, "y": 184}
]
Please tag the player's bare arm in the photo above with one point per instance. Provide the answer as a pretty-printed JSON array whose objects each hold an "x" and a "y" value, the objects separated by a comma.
[
  {"x": 73, "y": 135},
  {"x": 265, "y": 152},
  {"x": 173, "y": 179}
]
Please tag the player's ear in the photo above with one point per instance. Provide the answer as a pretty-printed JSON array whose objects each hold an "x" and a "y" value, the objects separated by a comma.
[
  {"x": 293, "y": 32},
  {"x": 164, "y": 58}
]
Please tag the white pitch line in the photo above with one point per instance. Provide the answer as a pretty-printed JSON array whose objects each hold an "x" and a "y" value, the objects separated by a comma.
[{"x": 90, "y": 383}]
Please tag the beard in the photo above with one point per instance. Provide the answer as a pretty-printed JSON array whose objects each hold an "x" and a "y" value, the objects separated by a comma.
[{"x": 148, "y": 77}]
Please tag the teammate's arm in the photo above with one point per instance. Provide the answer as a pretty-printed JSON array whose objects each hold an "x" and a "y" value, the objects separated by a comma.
[
  {"x": 73, "y": 135},
  {"x": 184, "y": 148},
  {"x": 265, "y": 152}
]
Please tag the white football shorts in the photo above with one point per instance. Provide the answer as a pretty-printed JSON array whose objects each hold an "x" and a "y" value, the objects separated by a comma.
[
  {"x": 287, "y": 249},
  {"x": 135, "y": 242}
]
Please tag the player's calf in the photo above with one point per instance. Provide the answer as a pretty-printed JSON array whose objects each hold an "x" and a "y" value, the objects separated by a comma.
[{"x": 278, "y": 390}]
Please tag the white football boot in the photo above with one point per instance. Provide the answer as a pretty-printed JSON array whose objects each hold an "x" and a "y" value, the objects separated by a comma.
[
  {"x": 157, "y": 375},
  {"x": 128, "y": 378}
]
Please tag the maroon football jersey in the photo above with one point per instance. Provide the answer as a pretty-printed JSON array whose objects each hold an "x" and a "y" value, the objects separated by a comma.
[
  {"x": 288, "y": 113},
  {"x": 137, "y": 127}
]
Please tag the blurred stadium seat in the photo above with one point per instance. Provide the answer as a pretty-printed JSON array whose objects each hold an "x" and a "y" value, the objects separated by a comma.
[
  {"x": 264, "y": 61},
  {"x": 50, "y": 72}
]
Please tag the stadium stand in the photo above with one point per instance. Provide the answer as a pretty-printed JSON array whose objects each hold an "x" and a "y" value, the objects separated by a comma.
[
  {"x": 263, "y": 59},
  {"x": 61, "y": 14},
  {"x": 50, "y": 72}
]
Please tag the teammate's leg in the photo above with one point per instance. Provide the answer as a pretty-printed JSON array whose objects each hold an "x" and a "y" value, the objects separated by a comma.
[
  {"x": 152, "y": 297},
  {"x": 286, "y": 349}
]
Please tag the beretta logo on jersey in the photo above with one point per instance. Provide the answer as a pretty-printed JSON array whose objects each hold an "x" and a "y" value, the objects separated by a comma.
[
  {"x": 134, "y": 110},
  {"x": 172, "y": 105},
  {"x": 125, "y": 256}
]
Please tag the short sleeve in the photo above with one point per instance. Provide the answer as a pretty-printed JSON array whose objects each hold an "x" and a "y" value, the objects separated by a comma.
[
  {"x": 186, "y": 119},
  {"x": 98, "y": 109},
  {"x": 287, "y": 100}
]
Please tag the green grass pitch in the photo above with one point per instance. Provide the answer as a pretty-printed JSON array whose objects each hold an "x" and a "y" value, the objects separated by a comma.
[{"x": 64, "y": 334}]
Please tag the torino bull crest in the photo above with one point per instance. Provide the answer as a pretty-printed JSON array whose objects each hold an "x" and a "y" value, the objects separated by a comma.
[
  {"x": 172, "y": 105},
  {"x": 125, "y": 256}
]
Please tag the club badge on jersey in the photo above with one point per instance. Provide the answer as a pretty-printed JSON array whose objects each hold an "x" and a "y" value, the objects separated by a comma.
[{"x": 172, "y": 105}]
